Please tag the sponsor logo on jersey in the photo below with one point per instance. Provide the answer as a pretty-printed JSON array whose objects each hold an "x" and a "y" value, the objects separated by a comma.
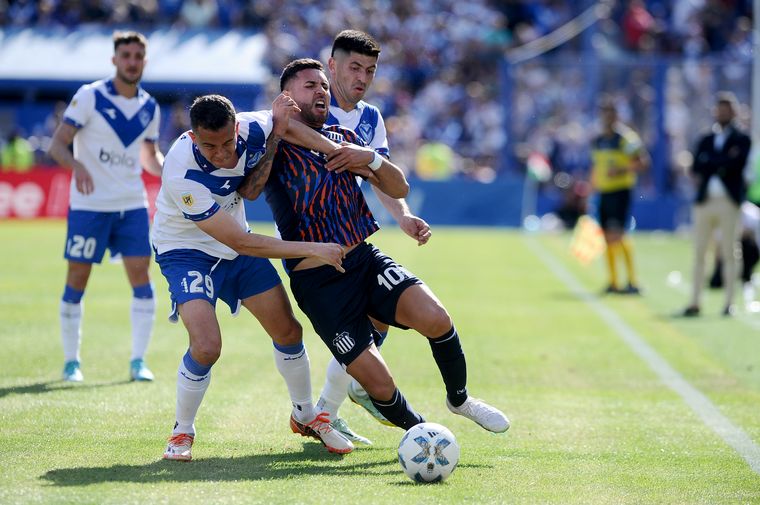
[
  {"x": 343, "y": 342},
  {"x": 226, "y": 184},
  {"x": 187, "y": 199},
  {"x": 112, "y": 158},
  {"x": 111, "y": 113}
]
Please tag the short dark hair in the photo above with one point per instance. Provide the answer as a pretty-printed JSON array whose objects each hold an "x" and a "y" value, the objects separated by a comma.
[
  {"x": 120, "y": 38},
  {"x": 295, "y": 66},
  {"x": 356, "y": 41},
  {"x": 211, "y": 112},
  {"x": 728, "y": 98}
]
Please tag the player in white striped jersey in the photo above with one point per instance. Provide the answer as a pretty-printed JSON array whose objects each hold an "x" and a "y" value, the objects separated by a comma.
[
  {"x": 113, "y": 125},
  {"x": 206, "y": 252},
  {"x": 352, "y": 67}
]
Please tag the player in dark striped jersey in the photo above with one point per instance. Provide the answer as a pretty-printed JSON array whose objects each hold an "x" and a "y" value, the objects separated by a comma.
[{"x": 317, "y": 196}]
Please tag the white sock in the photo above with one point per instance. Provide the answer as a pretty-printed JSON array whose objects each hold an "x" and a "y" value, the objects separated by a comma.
[
  {"x": 335, "y": 390},
  {"x": 295, "y": 369},
  {"x": 190, "y": 391},
  {"x": 142, "y": 314},
  {"x": 71, "y": 329}
]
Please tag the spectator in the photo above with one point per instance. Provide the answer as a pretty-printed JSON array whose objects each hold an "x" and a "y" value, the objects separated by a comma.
[{"x": 17, "y": 154}]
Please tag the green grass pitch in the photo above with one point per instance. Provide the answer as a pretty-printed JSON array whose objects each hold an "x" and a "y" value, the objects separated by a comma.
[{"x": 591, "y": 422}]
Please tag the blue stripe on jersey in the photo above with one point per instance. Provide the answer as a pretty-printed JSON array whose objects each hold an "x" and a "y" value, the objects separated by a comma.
[
  {"x": 73, "y": 123},
  {"x": 219, "y": 185},
  {"x": 126, "y": 129},
  {"x": 209, "y": 167},
  {"x": 203, "y": 215}
]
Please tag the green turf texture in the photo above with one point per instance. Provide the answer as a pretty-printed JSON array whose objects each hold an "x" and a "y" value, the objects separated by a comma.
[{"x": 591, "y": 423}]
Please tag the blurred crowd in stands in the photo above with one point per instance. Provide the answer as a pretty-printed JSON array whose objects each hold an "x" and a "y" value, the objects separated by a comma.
[{"x": 439, "y": 84}]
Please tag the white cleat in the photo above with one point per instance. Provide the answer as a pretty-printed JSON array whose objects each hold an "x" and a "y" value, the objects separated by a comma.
[
  {"x": 479, "y": 411},
  {"x": 179, "y": 447},
  {"x": 320, "y": 429},
  {"x": 342, "y": 427},
  {"x": 72, "y": 372}
]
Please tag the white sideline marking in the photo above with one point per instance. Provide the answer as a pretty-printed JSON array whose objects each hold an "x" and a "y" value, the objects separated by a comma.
[{"x": 701, "y": 405}]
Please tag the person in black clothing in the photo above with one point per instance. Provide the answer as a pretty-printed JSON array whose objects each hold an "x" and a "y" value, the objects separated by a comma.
[{"x": 718, "y": 170}]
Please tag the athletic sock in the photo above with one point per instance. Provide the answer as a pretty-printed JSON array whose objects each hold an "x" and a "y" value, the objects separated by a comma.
[
  {"x": 449, "y": 356},
  {"x": 292, "y": 362},
  {"x": 610, "y": 254},
  {"x": 398, "y": 411},
  {"x": 71, "y": 310},
  {"x": 193, "y": 380},
  {"x": 626, "y": 247},
  {"x": 142, "y": 315},
  {"x": 335, "y": 390}
]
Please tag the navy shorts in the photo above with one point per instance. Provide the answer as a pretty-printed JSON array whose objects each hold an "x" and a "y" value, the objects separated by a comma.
[
  {"x": 338, "y": 304},
  {"x": 614, "y": 209},
  {"x": 195, "y": 275},
  {"x": 90, "y": 233}
]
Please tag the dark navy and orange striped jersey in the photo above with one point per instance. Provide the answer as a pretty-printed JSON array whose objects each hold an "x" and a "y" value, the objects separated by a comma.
[{"x": 311, "y": 204}]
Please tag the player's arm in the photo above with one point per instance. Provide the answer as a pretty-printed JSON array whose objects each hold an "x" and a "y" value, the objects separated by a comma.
[
  {"x": 376, "y": 169},
  {"x": 223, "y": 227},
  {"x": 60, "y": 152},
  {"x": 151, "y": 158},
  {"x": 301, "y": 135},
  {"x": 412, "y": 225}
]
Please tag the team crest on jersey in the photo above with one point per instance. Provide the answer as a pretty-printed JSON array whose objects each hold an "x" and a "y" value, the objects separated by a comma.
[
  {"x": 144, "y": 117},
  {"x": 187, "y": 199},
  {"x": 367, "y": 131},
  {"x": 343, "y": 342}
]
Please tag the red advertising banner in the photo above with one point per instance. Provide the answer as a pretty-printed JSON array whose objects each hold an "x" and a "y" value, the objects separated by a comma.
[{"x": 44, "y": 192}]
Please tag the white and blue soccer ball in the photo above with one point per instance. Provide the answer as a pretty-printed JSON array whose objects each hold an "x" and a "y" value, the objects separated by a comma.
[{"x": 428, "y": 452}]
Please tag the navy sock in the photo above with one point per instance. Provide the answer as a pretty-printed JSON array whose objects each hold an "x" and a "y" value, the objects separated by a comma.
[
  {"x": 449, "y": 356},
  {"x": 398, "y": 411}
]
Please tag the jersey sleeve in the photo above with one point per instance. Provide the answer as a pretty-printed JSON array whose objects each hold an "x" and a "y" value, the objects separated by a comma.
[
  {"x": 380, "y": 140},
  {"x": 151, "y": 132},
  {"x": 632, "y": 144},
  {"x": 192, "y": 198},
  {"x": 80, "y": 108}
]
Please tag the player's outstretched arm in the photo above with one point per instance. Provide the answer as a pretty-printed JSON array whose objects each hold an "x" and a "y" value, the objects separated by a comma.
[
  {"x": 378, "y": 171},
  {"x": 223, "y": 227},
  {"x": 59, "y": 151},
  {"x": 151, "y": 158},
  {"x": 412, "y": 225}
]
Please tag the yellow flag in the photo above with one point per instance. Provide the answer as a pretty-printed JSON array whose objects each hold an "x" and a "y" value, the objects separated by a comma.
[{"x": 587, "y": 243}]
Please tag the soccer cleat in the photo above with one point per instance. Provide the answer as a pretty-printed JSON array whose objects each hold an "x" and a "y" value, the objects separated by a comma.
[
  {"x": 341, "y": 426},
  {"x": 631, "y": 289},
  {"x": 479, "y": 411},
  {"x": 138, "y": 371},
  {"x": 612, "y": 290},
  {"x": 361, "y": 398},
  {"x": 320, "y": 429},
  {"x": 179, "y": 447},
  {"x": 71, "y": 372},
  {"x": 690, "y": 311}
]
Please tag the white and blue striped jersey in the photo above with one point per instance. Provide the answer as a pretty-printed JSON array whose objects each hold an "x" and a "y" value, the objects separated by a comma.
[
  {"x": 193, "y": 189},
  {"x": 365, "y": 120},
  {"x": 111, "y": 131}
]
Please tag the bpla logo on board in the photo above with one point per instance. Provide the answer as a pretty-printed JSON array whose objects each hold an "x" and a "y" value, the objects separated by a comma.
[{"x": 111, "y": 159}]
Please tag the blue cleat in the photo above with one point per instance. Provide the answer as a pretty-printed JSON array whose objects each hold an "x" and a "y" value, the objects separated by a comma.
[
  {"x": 139, "y": 372},
  {"x": 71, "y": 372}
]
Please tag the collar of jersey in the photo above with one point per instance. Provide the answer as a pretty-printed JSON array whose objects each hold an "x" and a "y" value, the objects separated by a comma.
[
  {"x": 111, "y": 87},
  {"x": 209, "y": 167},
  {"x": 334, "y": 103}
]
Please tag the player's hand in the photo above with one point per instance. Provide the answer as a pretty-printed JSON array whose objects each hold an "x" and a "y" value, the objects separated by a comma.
[
  {"x": 83, "y": 179},
  {"x": 416, "y": 227},
  {"x": 282, "y": 108},
  {"x": 352, "y": 158},
  {"x": 330, "y": 254}
]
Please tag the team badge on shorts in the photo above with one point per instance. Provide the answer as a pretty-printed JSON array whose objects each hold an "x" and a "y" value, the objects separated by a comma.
[
  {"x": 343, "y": 342},
  {"x": 187, "y": 199}
]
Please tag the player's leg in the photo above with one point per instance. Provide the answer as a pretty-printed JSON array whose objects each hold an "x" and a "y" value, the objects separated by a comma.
[
  {"x": 703, "y": 229},
  {"x": 86, "y": 242},
  {"x": 611, "y": 239},
  {"x": 194, "y": 373},
  {"x": 418, "y": 308},
  {"x": 729, "y": 218},
  {"x": 262, "y": 293},
  {"x": 130, "y": 239},
  {"x": 623, "y": 210}
]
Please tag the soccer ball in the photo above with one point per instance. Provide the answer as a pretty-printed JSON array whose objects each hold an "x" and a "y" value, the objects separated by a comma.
[{"x": 428, "y": 452}]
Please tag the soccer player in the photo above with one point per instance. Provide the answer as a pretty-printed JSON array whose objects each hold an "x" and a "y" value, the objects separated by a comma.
[
  {"x": 206, "y": 252},
  {"x": 113, "y": 124},
  {"x": 618, "y": 156},
  {"x": 352, "y": 67},
  {"x": 314, "y": 198}
]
